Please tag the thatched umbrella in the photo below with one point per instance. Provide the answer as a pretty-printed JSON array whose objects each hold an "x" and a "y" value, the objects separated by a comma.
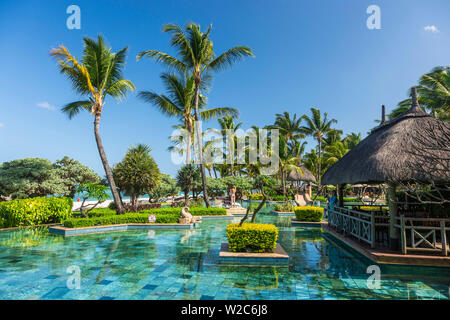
[
  {"x": 413, "y": 146},
  {"x": 301, "y": 174},
  {"x": 402, "y": 149}
]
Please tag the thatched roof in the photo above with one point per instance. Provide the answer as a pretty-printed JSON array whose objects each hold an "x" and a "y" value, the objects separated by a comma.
[
  {"x": 302, "y": 174},
  {"x": 413, "y": 146}
]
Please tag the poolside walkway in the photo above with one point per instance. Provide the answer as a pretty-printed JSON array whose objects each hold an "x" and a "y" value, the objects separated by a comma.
[{"x": 390, "y": 257}]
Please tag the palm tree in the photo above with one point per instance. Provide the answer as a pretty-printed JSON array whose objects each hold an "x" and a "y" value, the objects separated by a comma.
[
  {"x": 179, "y": 102},
  {"x": 227, "y": 124},
  {"x": 288, "y": 127},
  {"x": 288, "y": 159},
  {"x": 197, "y": 57},
  {"x": 311, "y": 162},
  {"x": 335, "y": 151},
  {"x": 352, "y": 139},
  {"x": 433, "y": 92},
  {"x": 97, "y": 75},
  {"x": 318, "y": 127},
  {"x": 186, "y": 178}
]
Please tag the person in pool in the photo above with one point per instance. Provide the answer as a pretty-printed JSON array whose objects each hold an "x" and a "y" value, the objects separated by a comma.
[{"x": 233, "y": 195}]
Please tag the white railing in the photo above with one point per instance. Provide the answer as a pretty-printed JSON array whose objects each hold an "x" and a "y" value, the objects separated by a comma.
[
  {"x": 361, "y": 225},
  {"x": 422, "y": 234}
]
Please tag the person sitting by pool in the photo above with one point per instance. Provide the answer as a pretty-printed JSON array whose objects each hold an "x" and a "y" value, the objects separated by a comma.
[{"x": 233, "y": 195}]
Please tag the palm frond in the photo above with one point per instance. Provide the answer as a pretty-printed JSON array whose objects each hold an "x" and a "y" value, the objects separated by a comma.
[
  {"x": 74, "y": 108},
  {"x": 229, "y": 57}
]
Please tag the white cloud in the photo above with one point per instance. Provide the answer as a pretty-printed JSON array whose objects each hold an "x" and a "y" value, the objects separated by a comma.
[
  {"x": 431, "y": 28},
  {"x": 46, "y": 105},
  {"x": 1, "y": 125}
]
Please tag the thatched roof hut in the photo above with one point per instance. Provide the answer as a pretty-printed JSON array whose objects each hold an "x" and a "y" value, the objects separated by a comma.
[
  {"x": 413, "y": 146},
  {"x": 302, "y": 174}
]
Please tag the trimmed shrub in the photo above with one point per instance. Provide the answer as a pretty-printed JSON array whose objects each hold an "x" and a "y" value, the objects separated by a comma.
[
  {"x": 208, "y": 211},
  {"x": 141, "y": 217},
  {"x": 309, "y": 214},
  {"x": 195, "y": 211},
  {"x": 255, "y": 196},
  {"x": 278, "y": 198},
  {"x": 34, "y": 211},
  {"x": 140, "y": 207},
  {"x": 284, "y": 207},
  {"x": 254, "y": 237}
]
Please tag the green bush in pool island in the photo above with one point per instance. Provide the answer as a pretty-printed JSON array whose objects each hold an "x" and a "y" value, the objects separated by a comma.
[
  {"x": 34, "y": 211},
  {"x": 133, "y": 217},
  {"x": 253, "y": 237},
  {"x": 308, "y": 214},
  {"x": 194, "y": 211},
  {"x": 106, "y": 216},
  {"x": 284, "y": 207}
]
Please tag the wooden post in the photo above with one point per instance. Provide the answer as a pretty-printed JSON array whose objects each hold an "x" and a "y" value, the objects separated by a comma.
[
  {"x": 372, "y": 229},
  {"x": 443, "y": 238},
  {"x": 341, "y": 195},
  {"x": 403, "y": 234},
  {"x": 393, "y": 214}
]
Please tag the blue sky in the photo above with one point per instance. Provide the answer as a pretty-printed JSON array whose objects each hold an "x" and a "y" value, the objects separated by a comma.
[{"x": 308, "y": 54}]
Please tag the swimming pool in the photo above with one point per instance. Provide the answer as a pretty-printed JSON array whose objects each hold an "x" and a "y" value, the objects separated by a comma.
[{"x": 183, "y": 264}]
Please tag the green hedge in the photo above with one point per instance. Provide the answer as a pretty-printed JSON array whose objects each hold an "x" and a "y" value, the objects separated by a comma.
[
  {"x": 254, "y": 237},
  {"x": 309, "y": 214},
  {"x": 34, "y": 211},
  {"x": 195, "y": 211},
  {"x": 140, "y": 217},
  {"x": 346, "y": 199},
  {"x": 255, "y": 196}
]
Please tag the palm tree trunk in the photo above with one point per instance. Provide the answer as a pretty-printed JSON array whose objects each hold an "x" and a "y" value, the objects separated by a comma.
[
  {"x": 320, "y": 160},
  {"x": 109, "y": 175},
  {"x": 186, "y": 196},
  {"x": 200, "y": 147},
  {"x": 189, "y": 142}
]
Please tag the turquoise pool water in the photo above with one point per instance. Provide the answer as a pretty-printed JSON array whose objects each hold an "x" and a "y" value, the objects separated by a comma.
[{"x": 184, "y": 265}]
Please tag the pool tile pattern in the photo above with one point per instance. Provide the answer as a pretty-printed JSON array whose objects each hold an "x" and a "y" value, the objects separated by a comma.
[{"x": 184, "y": 264}]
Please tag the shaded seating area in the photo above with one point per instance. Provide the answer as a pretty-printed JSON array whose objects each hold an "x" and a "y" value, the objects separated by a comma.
[
  {"x": 410, "y": 156},
  {"x": 302, "y": 180}
]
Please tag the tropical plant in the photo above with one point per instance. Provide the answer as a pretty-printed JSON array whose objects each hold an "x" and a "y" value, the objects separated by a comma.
[
  {"x": 73, "y": 173},
  {"x": 196, "y": 56},
  {"x": 311, "y": 161},
  {"x": 334, "y": 152},
  {"x": 433, "y": 94},
  {"x": 166, "y": 187},
  {"x": 352, "y": 140},
  {"x": 318, "y": 127},
  {"x": 28, "y": 178},
  {"x": 179, "y": 102},
  {"x": 137, "y": 173},
  {"x": 289, "y": 128},
  {"x": 99, "y": 74},
  {"x": 186, "y": 177},
  {"x": 89, "y": 190},
  {"x": 228, "y": 130}
]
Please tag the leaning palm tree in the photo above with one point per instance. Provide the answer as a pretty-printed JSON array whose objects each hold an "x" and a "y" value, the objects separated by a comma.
[
  {"x": 197, "y": 57},
  {"x": 179, "y": 102},
  {"x": 97, "y": 75},
  {"x": 318, "y": 127}
]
